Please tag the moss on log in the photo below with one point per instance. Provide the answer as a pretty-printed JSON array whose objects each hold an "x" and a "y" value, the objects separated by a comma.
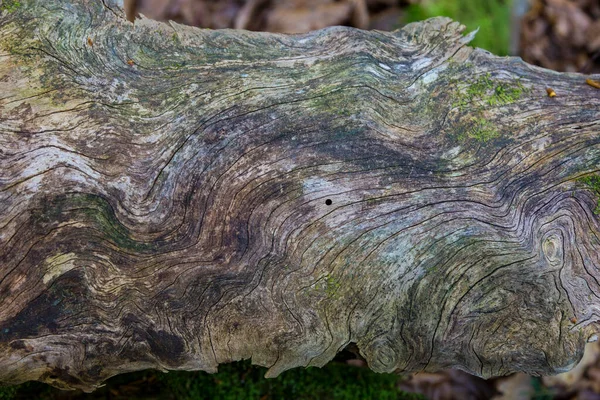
[{"x": 177, "y": 198}]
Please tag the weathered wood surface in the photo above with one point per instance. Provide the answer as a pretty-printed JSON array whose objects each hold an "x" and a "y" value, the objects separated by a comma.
[{"x": 176, "y": 198}]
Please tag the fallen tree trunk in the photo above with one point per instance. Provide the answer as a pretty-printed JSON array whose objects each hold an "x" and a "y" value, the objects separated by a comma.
[{"x": 177, "y": 198}]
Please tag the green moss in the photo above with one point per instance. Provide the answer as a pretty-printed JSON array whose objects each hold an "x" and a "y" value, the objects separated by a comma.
[
  {"x": 474, "y": 97},
  {"x": 10, "y": 5},
  {"x": 475, "y": 90},
  {"x": 593, "y": 183},
  {"x": 485, "y": 90},
  {"x": 505, "y": 95}
]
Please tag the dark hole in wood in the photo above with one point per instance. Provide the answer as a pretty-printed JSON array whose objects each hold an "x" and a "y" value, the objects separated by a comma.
[{"x": 328, "y": 202}]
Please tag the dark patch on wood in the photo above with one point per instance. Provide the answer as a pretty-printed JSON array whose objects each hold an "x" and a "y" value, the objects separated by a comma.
[
  {"x": 166, "y": 346},
  {"x": 18, "y": 345},
  {"x": 94, "y": 372},
  {"x": 41, "y": 316},
  {"x": 61, "y": 377}
]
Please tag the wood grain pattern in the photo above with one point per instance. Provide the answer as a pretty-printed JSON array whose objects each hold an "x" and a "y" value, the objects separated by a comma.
[{"x": 177, "y": 198}]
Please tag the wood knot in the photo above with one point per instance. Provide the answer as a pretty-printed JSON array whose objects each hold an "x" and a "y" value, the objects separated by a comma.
[
  {"x": 552, "y": 247},
  {"x": 382, "y": 356}
]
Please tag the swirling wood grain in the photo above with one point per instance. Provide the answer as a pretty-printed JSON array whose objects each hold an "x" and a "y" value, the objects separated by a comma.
[{"x": 177, "y": 198}]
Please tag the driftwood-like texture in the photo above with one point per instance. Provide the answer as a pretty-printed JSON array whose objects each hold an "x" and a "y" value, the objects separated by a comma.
[{"x": 177, "y": 198}]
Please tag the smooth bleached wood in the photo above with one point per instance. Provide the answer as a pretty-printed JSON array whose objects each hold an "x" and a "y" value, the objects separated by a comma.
[{"x": 178, "y": 198}]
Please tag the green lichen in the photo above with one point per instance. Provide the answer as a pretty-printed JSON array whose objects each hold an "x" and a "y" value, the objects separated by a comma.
[
  {"x": 100, "y": 213},
  {"x": 479, "y": 129},
  {"x": 11, "y": 43},
  {"x": 44, "y": 74},
  {"x": 331, "y": 286},
  {"x": 96, "y": 212},
  {"x": 593, "y": 183},
  {"x": 10, "y": 5},
  {"x": 327, "y": 286}
]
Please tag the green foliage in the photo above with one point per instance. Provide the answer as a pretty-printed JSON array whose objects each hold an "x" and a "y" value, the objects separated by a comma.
[
  {"x": 8, "y": 393},
  {"x": 593, "y": 183},
  {"x": 540, "y": 392},
  {"x": 235, "y": 381},
  {"x": 28, "y": 390},
  {"x": 243, "y": 381},
  {"x": 492, "y": 17}
]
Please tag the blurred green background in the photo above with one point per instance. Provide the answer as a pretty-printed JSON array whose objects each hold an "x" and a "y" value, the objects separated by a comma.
[{"x": 492, "y": 17}]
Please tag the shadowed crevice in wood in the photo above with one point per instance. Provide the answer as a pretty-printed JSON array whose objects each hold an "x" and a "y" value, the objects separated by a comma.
[{"x": 177, "y": 198}]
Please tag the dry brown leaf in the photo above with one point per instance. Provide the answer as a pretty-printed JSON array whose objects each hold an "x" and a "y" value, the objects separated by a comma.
[
  {"x": 387, "y": 20},
  {"x": 155, "y": 9},
  {"x": 514, "y": 387},
  {"x": 304, "y": 19},
  {"x": 360, "y": 14},
  {"x": 571, "y": 378},
  {"x": 562, "y": 35},
  {"x": 449, "y": 385},
  {"x": 244, "y": 16},
  {"x": 593, "y": 36}
]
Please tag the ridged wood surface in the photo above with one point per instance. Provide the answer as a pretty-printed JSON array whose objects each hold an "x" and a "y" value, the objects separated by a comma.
[{"x": 177, "y": 198}]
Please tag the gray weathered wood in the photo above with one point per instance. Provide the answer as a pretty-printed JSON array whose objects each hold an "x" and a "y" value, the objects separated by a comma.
[{"x": 177, "y": 198}]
